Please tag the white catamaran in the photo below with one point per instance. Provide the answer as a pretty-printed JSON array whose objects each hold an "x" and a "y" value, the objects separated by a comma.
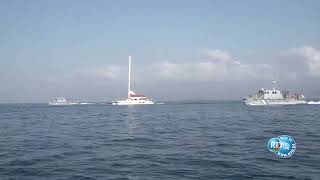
[
  {"x": 274, "y": 97},
  {"x": 133, "y": 98}
]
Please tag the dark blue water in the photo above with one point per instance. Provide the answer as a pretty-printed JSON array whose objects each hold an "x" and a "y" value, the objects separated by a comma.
[{"x": 218, "y": 140}]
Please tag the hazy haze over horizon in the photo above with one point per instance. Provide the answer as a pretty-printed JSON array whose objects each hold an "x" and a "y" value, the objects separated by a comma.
[{"x": 182, "y": 50}]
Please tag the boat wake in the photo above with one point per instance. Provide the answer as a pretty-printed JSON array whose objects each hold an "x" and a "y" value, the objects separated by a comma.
[{"x": 314, "y": 102}]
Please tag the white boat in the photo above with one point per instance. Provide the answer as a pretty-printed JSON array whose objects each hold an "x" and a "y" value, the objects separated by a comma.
[
  {"x": 314, "y": 102},
  {"x": 61, "y": 101},
  {"x": 133, "y": 98},
  {"x": 274, "y": 97}
]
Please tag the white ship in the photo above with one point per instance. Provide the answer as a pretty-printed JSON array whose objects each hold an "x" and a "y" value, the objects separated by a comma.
[
  {"x": 61, "y": 101},
  {"x": 133, "y": 98},
  {"x": 274, "y": 96}
]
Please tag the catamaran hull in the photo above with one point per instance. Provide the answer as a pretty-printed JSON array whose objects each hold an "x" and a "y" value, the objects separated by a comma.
[
  {"x": 264, "y": 102},
  {"x": 132, "y": 102}
]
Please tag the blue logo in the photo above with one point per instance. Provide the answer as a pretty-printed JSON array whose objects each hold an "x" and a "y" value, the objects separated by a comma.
[{"x": 283, "y": 146}]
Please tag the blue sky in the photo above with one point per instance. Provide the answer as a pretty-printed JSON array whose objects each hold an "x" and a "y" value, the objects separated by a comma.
[{"x": 79, "y": 49}]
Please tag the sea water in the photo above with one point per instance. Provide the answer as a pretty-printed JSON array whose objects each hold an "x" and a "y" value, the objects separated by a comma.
[{"x": 198, "y": 140}]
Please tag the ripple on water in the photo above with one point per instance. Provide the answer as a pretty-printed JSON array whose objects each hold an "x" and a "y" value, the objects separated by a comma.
[{"x": 219, "y": 140}]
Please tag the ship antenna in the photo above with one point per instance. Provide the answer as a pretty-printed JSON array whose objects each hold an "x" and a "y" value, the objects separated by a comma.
[
  {"x": 129, "y": 83},
  {"x": 274, "y": 82}
]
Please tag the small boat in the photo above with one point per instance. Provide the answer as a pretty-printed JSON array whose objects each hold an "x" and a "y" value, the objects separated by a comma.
[
  {"x": 133, "y": 98},
  {"x": 274, "y": 96},
  {"x": 61, "y": 101}
]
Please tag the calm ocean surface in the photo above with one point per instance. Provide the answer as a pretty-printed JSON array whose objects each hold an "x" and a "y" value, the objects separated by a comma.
[{"x": 216, "y": 140}]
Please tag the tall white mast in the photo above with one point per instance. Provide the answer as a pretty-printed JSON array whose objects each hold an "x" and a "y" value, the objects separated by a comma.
[{"x": 129, "y": 77}]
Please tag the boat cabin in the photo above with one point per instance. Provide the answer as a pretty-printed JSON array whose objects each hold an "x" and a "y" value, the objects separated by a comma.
[
  {"x": 272, "y": 94},
  {"x": 138, "y": 97}
]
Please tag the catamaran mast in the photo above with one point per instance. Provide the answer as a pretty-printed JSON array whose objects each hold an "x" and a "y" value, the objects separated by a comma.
[{"x": 129, "y": 77}]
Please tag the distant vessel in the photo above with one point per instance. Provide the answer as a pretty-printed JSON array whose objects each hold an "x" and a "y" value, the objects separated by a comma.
[
  {"x": 274, "y": 97},
  {"x": 62, "y": 101},
  {"x": 133, "y": 98}
]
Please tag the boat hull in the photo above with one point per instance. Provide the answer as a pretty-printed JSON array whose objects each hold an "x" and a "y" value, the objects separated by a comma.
[
  {"x": 266, "y": 102},
  {"x": 133, "y": 102}
]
